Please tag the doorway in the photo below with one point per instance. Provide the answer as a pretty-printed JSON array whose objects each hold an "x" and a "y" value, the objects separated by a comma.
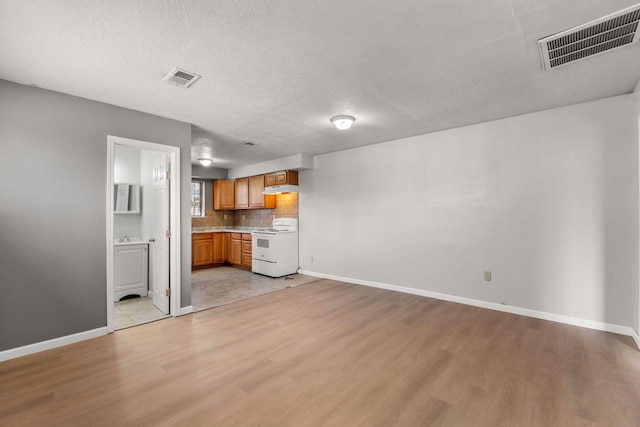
[{"x": 143, "y": 228}]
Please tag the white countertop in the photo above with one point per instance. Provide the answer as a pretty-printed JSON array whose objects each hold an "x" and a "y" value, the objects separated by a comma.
[
  {"x": 228, "y": 229},
  {"x": 132, "y": 241}
]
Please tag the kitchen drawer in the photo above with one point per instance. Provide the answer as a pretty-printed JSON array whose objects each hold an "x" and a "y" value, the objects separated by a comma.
[
  {"x": 201, "y": 236},
  {"x": 246, "y": 236}
]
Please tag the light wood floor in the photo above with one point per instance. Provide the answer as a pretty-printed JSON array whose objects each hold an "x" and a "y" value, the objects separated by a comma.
[{"x": 329, "y": 353}]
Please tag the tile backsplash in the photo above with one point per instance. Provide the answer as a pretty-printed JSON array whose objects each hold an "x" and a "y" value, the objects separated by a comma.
[
  {"x": 213, "y": 219},
  {"x": 286, "y": 207}
]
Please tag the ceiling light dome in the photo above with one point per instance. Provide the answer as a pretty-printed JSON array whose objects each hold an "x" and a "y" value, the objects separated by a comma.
[
  {"x": 205, "y": 162},
  {"x": 343, "y": 122}
]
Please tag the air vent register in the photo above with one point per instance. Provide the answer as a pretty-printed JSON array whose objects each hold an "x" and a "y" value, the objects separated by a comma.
[
  {"x": 181, "y": 77},
  {"x": 609, "y": 32}
]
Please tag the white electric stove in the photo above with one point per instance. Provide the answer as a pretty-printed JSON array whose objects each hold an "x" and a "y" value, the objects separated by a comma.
[{"x": 274, "y": 250}]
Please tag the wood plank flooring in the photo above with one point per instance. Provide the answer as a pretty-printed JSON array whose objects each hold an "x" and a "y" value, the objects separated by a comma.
[{"x": 331, "y": 354}]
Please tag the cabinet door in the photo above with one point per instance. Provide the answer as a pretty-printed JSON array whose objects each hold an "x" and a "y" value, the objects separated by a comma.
[
  {"x": 246, "y": 253},
  {"x": 257, "y": 200},
  {"x": 202, "y": 250},
  {"x": 281, "y": 178},
  {"x": 256, "y": 187},
  {"x": 285, "y": 177},
  {"x": 235, "y": 256},
  {"x": 218, "y": 248},
  {"x": 270, "y": 179},
  {"x": 242, "y": 193},
  {"x": 227, "y": 247},
  {"x": 130, "y": 271},
  {"x": 223, "y": 194}
]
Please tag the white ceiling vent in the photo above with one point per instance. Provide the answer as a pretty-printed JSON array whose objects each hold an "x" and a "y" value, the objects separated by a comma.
[
  {"x": 609, "y": 32},
  {"x": 181, "y": 77}
]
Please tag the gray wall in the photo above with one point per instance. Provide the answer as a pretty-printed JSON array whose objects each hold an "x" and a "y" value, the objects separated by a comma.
[
  {"x": 547, "y": 201},
  {"x": 198, "y": 171},
  {"x": 53, "y": 159},
  {"x": 207, "y": 174}
]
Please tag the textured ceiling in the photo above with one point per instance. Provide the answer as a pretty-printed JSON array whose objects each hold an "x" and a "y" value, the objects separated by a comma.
[{"x": 274, "y": 72}]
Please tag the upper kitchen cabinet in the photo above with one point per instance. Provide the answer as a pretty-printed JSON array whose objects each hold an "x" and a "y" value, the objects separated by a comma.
[
  {"x": 257, "y": 200},
  {"x": 249, "y": 194},
  {"x": 223, "y": 195},
  {"x": 281, "y": 178},
  {"x": 242, "y": 193}
]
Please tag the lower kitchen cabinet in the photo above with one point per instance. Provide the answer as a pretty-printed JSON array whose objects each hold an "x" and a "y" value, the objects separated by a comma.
[
  {"x": 219, "y": 255},
  {"x": 235, "y": 254},
  {"x": 246, "y": 251},
  {"x": 201, "y": 249},
  {"x": 221, "y": 248},
  {"x": 207, "y": 250}
]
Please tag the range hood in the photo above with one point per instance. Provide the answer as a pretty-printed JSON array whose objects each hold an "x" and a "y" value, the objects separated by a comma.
[{"x": 279, "y": 189}]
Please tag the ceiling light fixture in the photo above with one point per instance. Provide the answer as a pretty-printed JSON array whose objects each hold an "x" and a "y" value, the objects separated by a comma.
[
  {"x": 343, "y": 122},
  {"x": 205, "y": 162}
]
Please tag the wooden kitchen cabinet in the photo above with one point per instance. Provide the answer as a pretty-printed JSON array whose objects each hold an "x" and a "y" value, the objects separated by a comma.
[
  {"x": 242, "y": 193},
  {"x": 201, "y": 249},
  {"x": 235, "y": 253},
  {"x": 218, "y": 248},
  {"x": 281, "y": 178},
  {"x": 227, "y": 248},
  {"x": 207, "y": 250},
  {"x": 257, "y": 200},
  {"x": 246, "y": 250},
  {"x": 223, "y": 194},
  {"x": 240, "y": 250},
  {"x": 249, "y": 194}
]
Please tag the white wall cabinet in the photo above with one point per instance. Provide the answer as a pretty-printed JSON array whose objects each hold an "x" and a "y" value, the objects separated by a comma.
[{"x": 131, "y": 265}]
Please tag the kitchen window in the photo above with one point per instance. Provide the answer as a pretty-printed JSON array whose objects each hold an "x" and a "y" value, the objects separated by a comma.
[{"x": 197, "y": 198}]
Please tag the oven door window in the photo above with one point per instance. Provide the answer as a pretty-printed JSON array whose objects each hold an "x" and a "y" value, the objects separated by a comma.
[{"x": 263, "y": 248}]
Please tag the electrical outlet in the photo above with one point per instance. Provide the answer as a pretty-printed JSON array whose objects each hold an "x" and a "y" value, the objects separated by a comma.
[
  {"x": 244, "y": 217},
  {"x": 225, "y": 217},
  {"x": 487, "y": 276},
  {"x": 311, "y": 258}
]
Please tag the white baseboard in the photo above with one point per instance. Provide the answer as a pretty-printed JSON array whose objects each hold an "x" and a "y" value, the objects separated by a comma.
[
  {"x": 50, "y": 344},
  {"x": 591, "y": 324},
  {"x": 186, "y": 310},
  {"x": 636, "y": 338}
]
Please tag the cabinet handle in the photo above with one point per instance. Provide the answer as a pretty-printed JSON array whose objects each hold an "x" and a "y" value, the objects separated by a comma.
[{"x": 152, "y": 240}]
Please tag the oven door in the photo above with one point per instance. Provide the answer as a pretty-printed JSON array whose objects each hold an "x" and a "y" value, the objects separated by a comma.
[{"x": 263, "y": 247}]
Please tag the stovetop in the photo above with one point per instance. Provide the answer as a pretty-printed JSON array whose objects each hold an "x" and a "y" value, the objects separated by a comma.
[{"x": 273, "y": 230}]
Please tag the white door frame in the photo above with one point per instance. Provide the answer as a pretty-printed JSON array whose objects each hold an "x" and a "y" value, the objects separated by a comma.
[{"x": 173, "y": 156}]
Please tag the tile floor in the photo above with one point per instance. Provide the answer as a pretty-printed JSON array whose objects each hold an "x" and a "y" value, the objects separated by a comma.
[
  {"x": 210, "y": 288},
  {"x": 213, "y": 287},
  {"x": 136, "y": 311}
]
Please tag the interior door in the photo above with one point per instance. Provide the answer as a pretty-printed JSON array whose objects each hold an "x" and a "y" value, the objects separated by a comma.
[{"x": 160, "y": 241}]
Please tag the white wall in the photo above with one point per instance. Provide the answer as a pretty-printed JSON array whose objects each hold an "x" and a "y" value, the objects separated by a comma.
[
  {"x": 295, "y": 162},
  {"x": 636, "y": 297},
  {"x": 546, "y": 201}
]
